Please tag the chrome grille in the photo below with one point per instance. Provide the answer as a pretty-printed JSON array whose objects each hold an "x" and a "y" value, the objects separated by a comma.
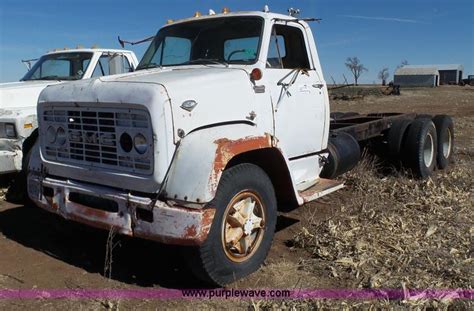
[{"x": 93, "y": 135}]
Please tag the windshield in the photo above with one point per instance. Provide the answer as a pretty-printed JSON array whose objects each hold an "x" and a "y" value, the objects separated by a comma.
[
  {"x": 229, "y": 40},
  {"x": 59, "y": 66}
]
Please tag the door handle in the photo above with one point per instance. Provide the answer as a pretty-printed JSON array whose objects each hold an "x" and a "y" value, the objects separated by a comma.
[{"x": 318, "y": 85}]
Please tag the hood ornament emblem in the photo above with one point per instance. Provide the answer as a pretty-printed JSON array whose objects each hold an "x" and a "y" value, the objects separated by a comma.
[{"x": 189, "y": 105}]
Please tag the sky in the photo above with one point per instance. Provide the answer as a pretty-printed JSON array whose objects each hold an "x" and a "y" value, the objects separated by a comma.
[{"x": 381, "y": 33}]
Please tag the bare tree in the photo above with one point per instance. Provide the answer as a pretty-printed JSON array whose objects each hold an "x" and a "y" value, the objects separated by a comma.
[
  {"x": 356, "y": 67},
  {"x": 403, "y": 63},
  {"x": 383, "y": 75}
]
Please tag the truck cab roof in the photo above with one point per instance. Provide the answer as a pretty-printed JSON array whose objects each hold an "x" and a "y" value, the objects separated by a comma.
[
  {"x": 90, "y": 50},
  {"x": 264, "y": 15}
]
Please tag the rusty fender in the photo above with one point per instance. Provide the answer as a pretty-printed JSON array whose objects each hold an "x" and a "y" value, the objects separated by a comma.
[
  {"x": 201, "y": 157},
  {"x": 164, "y": 223}
]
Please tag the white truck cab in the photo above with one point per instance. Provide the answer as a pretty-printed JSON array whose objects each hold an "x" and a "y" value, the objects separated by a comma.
[
  {"x": 224, "y": 121},
  {"x": 18, "y": 100}
]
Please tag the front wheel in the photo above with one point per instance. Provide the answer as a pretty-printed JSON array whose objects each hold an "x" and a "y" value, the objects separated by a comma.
[{"x": 243, "y": 227}]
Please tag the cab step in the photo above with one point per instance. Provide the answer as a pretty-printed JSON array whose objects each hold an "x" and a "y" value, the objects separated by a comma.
[{"x": 321, "y": 188}]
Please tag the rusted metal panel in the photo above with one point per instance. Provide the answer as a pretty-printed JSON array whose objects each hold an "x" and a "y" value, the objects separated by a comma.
[
  {"x": 169, "y": 224},
  {"x": 321, "y": 188},
  {"x": 174, "y": 225},
  {"x": 202, "y": 156},
  {"x": 227, "y": 149}
]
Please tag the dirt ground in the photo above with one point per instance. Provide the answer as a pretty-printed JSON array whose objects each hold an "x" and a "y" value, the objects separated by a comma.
[{"x": 329, "y": 243}]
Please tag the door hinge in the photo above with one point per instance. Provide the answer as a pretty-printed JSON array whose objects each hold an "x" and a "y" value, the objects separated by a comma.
[
  {"x": 259, "y": 88},
  {"x": 252, "y": 115}
]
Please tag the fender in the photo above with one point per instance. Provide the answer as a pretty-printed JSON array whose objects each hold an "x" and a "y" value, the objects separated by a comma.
[
  {"x": 202, "y": 156},
  {"x": 33, "y": 184}
]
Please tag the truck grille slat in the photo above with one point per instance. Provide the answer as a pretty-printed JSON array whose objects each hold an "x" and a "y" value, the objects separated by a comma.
[{"x": 92, "y": 137}]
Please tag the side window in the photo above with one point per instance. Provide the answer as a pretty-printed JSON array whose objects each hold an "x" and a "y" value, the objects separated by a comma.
[
  {"x": 85, "y": 63},
  {"x": 288, "y": 44},
  {"x": 118, "y": 63},
  {"x": 242, "y": 49},
  {"x": 275, "y": 51},
  {"x": 126, "y": 64},
  {"x": 102, "y": 67},
  {"x": 111, "y": 64}
]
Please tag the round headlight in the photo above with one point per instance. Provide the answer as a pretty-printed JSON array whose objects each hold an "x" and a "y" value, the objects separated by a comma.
[
  {"x": 51, "y": 134},
  {"x": 140, "y": 144},
  {"x": 126, "y": 142},
  {"x": 61, "y": 136}
]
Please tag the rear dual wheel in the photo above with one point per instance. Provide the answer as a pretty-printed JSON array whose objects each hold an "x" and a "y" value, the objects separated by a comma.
[
  {"x": 422, "y": 144},
  {"x": 420, "y": 148},
  {"x": 445, "y": 131}
]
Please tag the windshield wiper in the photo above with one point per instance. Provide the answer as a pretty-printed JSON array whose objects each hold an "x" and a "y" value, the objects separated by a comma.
[
  {"x": 149, "y": 66},
  {"x": 49, "y": 78},
  {"x": 209, "y": 60}
]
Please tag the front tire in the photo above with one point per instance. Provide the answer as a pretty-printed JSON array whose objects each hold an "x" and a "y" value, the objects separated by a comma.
[{"x": 243, "y": 227}]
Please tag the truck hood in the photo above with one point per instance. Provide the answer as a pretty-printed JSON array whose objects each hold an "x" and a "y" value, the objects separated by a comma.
[
  {"x": 222, "y": 94},
  {"x": 214, "y": 89},
  {"x": 18, "y": 95}
]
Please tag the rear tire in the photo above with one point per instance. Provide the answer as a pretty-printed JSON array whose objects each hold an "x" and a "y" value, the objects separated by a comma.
[
  {"x": 232, "y": 250},
  {"x": 445, "y": 131},
  {"x": 423, "y": 116},
  {"x": 419, "y": 148}
]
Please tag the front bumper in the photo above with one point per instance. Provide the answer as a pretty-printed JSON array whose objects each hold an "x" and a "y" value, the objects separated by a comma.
[
  {"x": 10, "y": 161},
  {"x": 162, "y": 222}
]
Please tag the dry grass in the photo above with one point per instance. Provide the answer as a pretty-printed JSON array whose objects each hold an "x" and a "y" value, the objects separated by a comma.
[
  {"x": 110, "y": 245},
  {"x": 397, "y": 232},
  {"x": 380, "y": 232}
]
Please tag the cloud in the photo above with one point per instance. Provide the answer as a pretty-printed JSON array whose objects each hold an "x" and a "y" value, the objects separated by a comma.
[{"x": 386, "y": 19}]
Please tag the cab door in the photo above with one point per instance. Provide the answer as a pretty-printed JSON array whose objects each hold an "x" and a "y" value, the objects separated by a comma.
[{"x": 297, "y": 95}]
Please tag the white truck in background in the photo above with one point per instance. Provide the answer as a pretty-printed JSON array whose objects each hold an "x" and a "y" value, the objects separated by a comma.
[
  {"x": 224, "y": 122},
  {"x": 18, "y": 100}
]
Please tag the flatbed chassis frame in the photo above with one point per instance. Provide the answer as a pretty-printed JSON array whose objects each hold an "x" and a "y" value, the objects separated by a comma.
[{"x": 367, "y": 126}]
